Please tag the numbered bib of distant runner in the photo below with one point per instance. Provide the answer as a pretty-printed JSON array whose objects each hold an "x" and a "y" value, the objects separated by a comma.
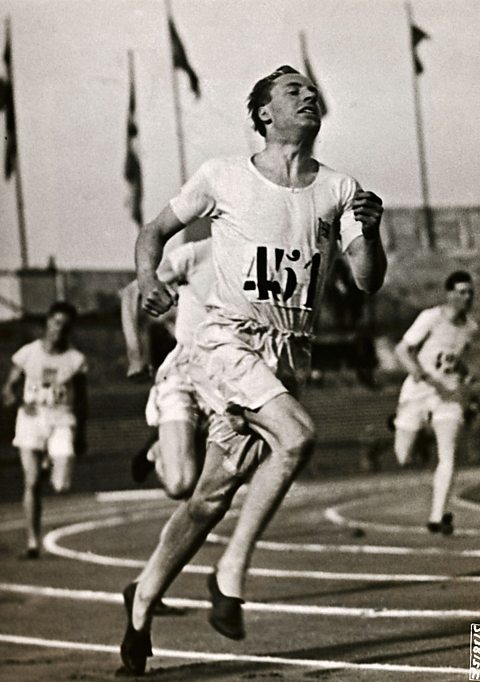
[{"x": 447, "y": 363}]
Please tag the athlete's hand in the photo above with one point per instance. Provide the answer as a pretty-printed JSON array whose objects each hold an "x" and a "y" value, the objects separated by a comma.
[
  {"x": 368, "y": 209},
  {"x": 9, "y": 398},
  {"x": 157, "y": 297},
  {"x": 445, "y": 393}
]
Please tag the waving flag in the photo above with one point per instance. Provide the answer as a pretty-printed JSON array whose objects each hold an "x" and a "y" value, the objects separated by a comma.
[
  {"x": 7, "y": 105},
  {"x": 180, "y": 59},
  {"x": 133, "y": 168},
  {"x": 416, "y": 37}
]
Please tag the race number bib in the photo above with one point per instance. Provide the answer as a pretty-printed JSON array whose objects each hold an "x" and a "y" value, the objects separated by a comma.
[
  {"x": 281, "y": 277},
  {"x": 49, "y": 392}
]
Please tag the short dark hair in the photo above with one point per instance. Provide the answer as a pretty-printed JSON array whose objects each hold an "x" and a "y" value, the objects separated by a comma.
[
  {"x": 261, "y": 94},
  {"x": 63, "y": 307},
  {"x": 456, "y": 278}
]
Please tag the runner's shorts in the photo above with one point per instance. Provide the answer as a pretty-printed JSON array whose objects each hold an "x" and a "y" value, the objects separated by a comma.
[
  {"x": 46, "y": 432},
  {"x": 241, "y": 363},
  {"x": 417, "y": 413},
  {"x": 172, "y": 397}
]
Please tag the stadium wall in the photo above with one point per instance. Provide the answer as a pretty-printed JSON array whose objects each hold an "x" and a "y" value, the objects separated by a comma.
[{"x": 414, "y": 276}]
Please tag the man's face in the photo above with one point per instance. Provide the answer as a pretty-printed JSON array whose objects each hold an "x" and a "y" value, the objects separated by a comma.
[
  {"x": 461, "y": 296},
  {"x": 58, "y": 327},
  {"x": 294, "y": 105}
]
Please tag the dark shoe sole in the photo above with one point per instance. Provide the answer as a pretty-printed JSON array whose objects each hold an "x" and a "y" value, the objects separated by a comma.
[
  {"x": 226, "y": 615},
  {"x": 136, "y": 646},
  {"x": 31, "y": 554},
  {"x": 445, "y": 526}
]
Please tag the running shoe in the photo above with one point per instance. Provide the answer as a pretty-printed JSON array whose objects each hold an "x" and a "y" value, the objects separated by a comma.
[
  {"x": 226, "y": 615},
  {"x": 136, "y": 645},
  {"x": 30, "y": 554},
  {"x": 445, "y": 526}
]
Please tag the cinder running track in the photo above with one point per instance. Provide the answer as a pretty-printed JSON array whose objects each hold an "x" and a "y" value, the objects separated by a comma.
[{"x": 346, "y": 585}]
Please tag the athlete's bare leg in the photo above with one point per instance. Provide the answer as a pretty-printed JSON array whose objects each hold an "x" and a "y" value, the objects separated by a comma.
[
  {"x": 176, "y": 460},
  {"x": 268, "y": 485},
  {"x": 447, "y": 434},
  {"x": 32, "y": 495},
  {"x": 185, "y": 532},
  {"x": 62, "y": 473},
  {"x": 404, "y": 445},
  {"x": 288, "y": 430}
]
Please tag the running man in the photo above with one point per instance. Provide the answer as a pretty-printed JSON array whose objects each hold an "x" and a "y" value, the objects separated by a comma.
[
  {"x": 276, "y": 219},
  {"x": 172, "y": 407},
  {"x": 436, "y": 390},
  {"x": 51, "y": 419}
]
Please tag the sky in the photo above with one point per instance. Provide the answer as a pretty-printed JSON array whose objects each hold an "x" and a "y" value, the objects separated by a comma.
[{"x": 71, "y": 90}]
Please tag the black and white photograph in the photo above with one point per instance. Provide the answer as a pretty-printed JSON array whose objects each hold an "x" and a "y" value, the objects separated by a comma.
[{"x": 239, "y": 340}]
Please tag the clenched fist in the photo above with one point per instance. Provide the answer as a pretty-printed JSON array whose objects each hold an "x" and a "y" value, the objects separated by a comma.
[
  {"x": 157, "y": 297},
  {"x": 368, "y": 209}
]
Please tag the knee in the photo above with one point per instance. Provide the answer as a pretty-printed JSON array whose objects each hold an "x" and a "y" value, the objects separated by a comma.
[
  {"x": 402, "y": 455},
  {"x": 299, "y": 445},
  {"x": 207, "y": 508},
  {"x": 32, "y": 482},
  {"x": 60, "y": 486},
  {"x": 180, "y": 486},
  {"x": 178, "y": 490}
]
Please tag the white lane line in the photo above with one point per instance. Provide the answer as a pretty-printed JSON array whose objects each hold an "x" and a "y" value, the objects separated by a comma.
[
  {"x": 258, "y": 607},
  {"x": 334, "y": 515},
  {"x": 242, "y": 658},
  {"x": 52, "y": 545},
  {"x": 131, "y": 495},
  {"x": 465, "y": 504},
  {"x": 199, "y": 569},
  {"x": 392, "y": 550},
  {"x": 53, "y": 517}
]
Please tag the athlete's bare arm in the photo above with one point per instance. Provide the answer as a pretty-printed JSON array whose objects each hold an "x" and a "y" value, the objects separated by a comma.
[
  {"x": 80, "y": 409},
  {"x": 11, "y": 388},
  {"x": 157, "y": 296},
  {"x": 409, "y": 361},
  {"x": 365, "y": 254}
]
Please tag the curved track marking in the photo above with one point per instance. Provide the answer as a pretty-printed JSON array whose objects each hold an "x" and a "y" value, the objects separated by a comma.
[
  {"x": 118, "y": 519},
  {"x": 218, "y": 658},
  {"x": 258, "y": 607},
  {"x": 333, "y": 514},
  {"x": 52, "y": 545}
]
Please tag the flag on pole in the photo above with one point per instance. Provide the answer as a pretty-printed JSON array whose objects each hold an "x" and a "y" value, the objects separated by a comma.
[
  {"x": 7, "y": 105},
  {"x": 133, "y": 168},
  {"x": 309, "y": 73},
  {"x": 180, "y": 59},
  {"x": 416, "y": 37}
]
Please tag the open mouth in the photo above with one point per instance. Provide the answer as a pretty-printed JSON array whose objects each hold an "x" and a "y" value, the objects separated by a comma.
[{"x": 311, "y": 110}]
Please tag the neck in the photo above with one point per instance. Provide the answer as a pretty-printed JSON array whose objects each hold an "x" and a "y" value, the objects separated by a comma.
[
  {"x": 291, "y": 145},
  {"x": 288, "y": 163},
  {"x": 54, "y": 346},
  {"x": 456, "y": 316}
]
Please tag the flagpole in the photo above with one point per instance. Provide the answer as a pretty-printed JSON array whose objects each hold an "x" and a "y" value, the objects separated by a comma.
[
  {"x": 22, "y": 228},
  {"x": 419, "y": 125},
  {"x": 177, "y": 105}
]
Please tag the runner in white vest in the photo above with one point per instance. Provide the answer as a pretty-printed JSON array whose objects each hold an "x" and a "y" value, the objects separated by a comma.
[
  {"x": 435, "y": 393},
  {"x": 275, "y": 221}
]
